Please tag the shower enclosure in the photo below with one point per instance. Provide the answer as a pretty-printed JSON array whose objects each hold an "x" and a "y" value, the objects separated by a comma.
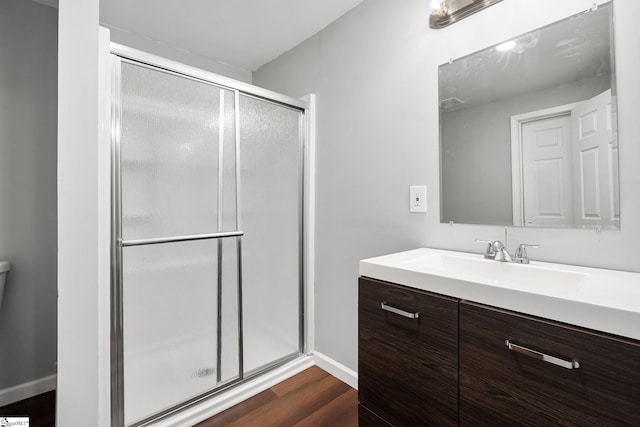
[{"x": 207, "y": 236}]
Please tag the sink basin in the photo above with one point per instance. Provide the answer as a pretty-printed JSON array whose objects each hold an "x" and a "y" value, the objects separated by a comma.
[{"x": 525, "y": 277}]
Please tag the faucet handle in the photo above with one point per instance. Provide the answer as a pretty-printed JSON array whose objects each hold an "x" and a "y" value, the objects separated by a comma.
[
  {"x": 489, "y": 252},
  {"x": 521, "y": 253}
]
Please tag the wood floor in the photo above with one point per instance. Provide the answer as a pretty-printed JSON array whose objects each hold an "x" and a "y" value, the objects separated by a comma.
[
  {"x": 40, "y": 409},
  {"x": 310, "y": 399}
]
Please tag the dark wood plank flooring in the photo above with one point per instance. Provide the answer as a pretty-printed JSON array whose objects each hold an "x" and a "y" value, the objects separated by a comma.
[
  {"x": 312, "y": 398},
  {"x": 40, "y": 409}
]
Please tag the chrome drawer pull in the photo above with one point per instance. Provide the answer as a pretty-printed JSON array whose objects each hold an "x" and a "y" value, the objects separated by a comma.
[
  {"x": 573, "y": 364},
  {"x": 394, "y": 310}
]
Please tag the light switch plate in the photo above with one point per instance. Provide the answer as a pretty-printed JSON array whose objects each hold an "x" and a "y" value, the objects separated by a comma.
[{"x": 418, "y": 198}]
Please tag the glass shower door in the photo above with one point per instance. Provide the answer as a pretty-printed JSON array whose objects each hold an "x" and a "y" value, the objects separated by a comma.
[
  {"x": 207, "y": 288},
  {"x": 271, "y": 200},
  {"x": 179, "y": 255}
]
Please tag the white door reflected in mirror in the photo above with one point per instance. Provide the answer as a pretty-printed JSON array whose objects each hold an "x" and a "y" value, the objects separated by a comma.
[{"x": 565, "y": 166}]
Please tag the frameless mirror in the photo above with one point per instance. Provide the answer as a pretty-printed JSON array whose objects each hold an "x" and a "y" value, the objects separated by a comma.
[{"x": 528, "y": 129}]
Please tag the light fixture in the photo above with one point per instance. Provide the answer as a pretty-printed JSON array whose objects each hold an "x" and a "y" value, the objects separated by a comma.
[
  {"x": 506, "y": 46},
  {"x": 435, "y": 5},
  {"x": 446, "y": 12}
]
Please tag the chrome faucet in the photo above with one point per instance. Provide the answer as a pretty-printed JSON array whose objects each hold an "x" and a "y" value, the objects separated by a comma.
[
  {"x": 489, "y": 253},
  {"x": 501, "y": 252},
  {"x": 496, "y": 250},
  {"x": 521, "y": 253}
]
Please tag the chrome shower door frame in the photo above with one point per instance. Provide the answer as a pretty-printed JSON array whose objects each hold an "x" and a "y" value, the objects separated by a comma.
[{"x": 120, "y": 54}]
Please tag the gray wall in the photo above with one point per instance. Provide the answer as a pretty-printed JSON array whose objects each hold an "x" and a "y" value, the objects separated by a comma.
[
  {"x": 476, "y": 155},
  {"x": 375, "y": 73},
  {"x": 366, "y": 70},
  {"x": 28, "y": 103}
]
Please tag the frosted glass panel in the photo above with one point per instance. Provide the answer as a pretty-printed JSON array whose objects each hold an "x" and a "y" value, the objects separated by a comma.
[
  {"x": 270, "y": 157},
  {"x": 170, "y": 324},
  {"x": 229, "y": 164},
  {"x": 169, "y": 154}
]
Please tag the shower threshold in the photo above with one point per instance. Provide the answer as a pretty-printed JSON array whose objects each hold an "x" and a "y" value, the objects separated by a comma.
[{"x": 253, "y": 383}]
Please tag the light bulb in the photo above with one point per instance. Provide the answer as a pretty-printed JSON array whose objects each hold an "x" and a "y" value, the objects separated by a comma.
[
  {"x": 435, "y": 4},
  {"x": 503, "y": 47}
]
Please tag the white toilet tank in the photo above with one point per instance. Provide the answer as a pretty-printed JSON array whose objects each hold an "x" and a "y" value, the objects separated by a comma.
[{"x": 4, "y": 268}]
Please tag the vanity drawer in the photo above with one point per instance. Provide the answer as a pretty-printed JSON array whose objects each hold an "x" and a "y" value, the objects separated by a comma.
[
  {"x": 366, "y": 418},
  {"x": 407, "y": 367},
  {"x": 499, "y": 386}
]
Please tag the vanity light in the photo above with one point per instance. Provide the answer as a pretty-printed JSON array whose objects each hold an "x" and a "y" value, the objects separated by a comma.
[
  {"x": 436, "y": 5},
  {"x": 446, "y": 12},
  {"x": 503, "y": 47}
]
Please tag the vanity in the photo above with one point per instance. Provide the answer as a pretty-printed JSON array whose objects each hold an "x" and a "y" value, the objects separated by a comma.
[
  {"x": 528, "y": 139},
  {"x": 450, "y": 338}
]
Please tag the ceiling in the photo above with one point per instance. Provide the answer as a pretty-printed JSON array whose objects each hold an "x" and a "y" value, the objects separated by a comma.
[{"x": 241, "y": 33}]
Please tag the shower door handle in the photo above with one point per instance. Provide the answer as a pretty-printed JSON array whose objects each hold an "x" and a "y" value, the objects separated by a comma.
[{"x": 172, "y": 239}]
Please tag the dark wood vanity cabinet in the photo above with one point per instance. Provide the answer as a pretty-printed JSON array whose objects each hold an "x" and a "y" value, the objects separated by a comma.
[
  {"x": 468, "y": 364},
  {"x": 597, "y": 381},
  {"x": 408, "y": 356}
]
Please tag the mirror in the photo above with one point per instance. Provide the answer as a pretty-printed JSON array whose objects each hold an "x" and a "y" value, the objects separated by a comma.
[{"x": 528, "y": 132}]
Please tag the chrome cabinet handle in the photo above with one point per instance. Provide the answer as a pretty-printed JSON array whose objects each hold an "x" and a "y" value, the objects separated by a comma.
[
  {"x": 572, "y": 364},
  {"x": 394, "y": 310}
]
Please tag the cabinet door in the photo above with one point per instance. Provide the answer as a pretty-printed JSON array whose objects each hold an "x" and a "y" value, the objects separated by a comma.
[
  {"x": 366, "y": 418},
  {"x": 499, "y": 386},
  {"x": 407, "y": 367}
]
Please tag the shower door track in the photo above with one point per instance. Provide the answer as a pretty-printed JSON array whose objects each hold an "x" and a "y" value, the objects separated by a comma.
[
  {"x": 126, "y": 54},
  {"x": 142, "y": 58}
]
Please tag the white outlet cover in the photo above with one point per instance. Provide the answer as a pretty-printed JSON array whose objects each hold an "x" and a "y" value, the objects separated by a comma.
[{"x": 418, "y": 198}]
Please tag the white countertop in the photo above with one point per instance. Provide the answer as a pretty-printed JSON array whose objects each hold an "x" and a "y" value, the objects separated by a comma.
[{"x": 604, "y": 300}]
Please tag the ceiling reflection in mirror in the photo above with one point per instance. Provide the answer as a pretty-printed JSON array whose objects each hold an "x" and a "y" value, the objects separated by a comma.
[{"x": 528, "y": 129}]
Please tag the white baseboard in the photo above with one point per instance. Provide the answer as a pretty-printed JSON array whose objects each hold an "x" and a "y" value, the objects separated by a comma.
[
  {"x": 27, "y": 390},
  {"x": 336, "y": 369},
  {"x": 236, "y": 395}
]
